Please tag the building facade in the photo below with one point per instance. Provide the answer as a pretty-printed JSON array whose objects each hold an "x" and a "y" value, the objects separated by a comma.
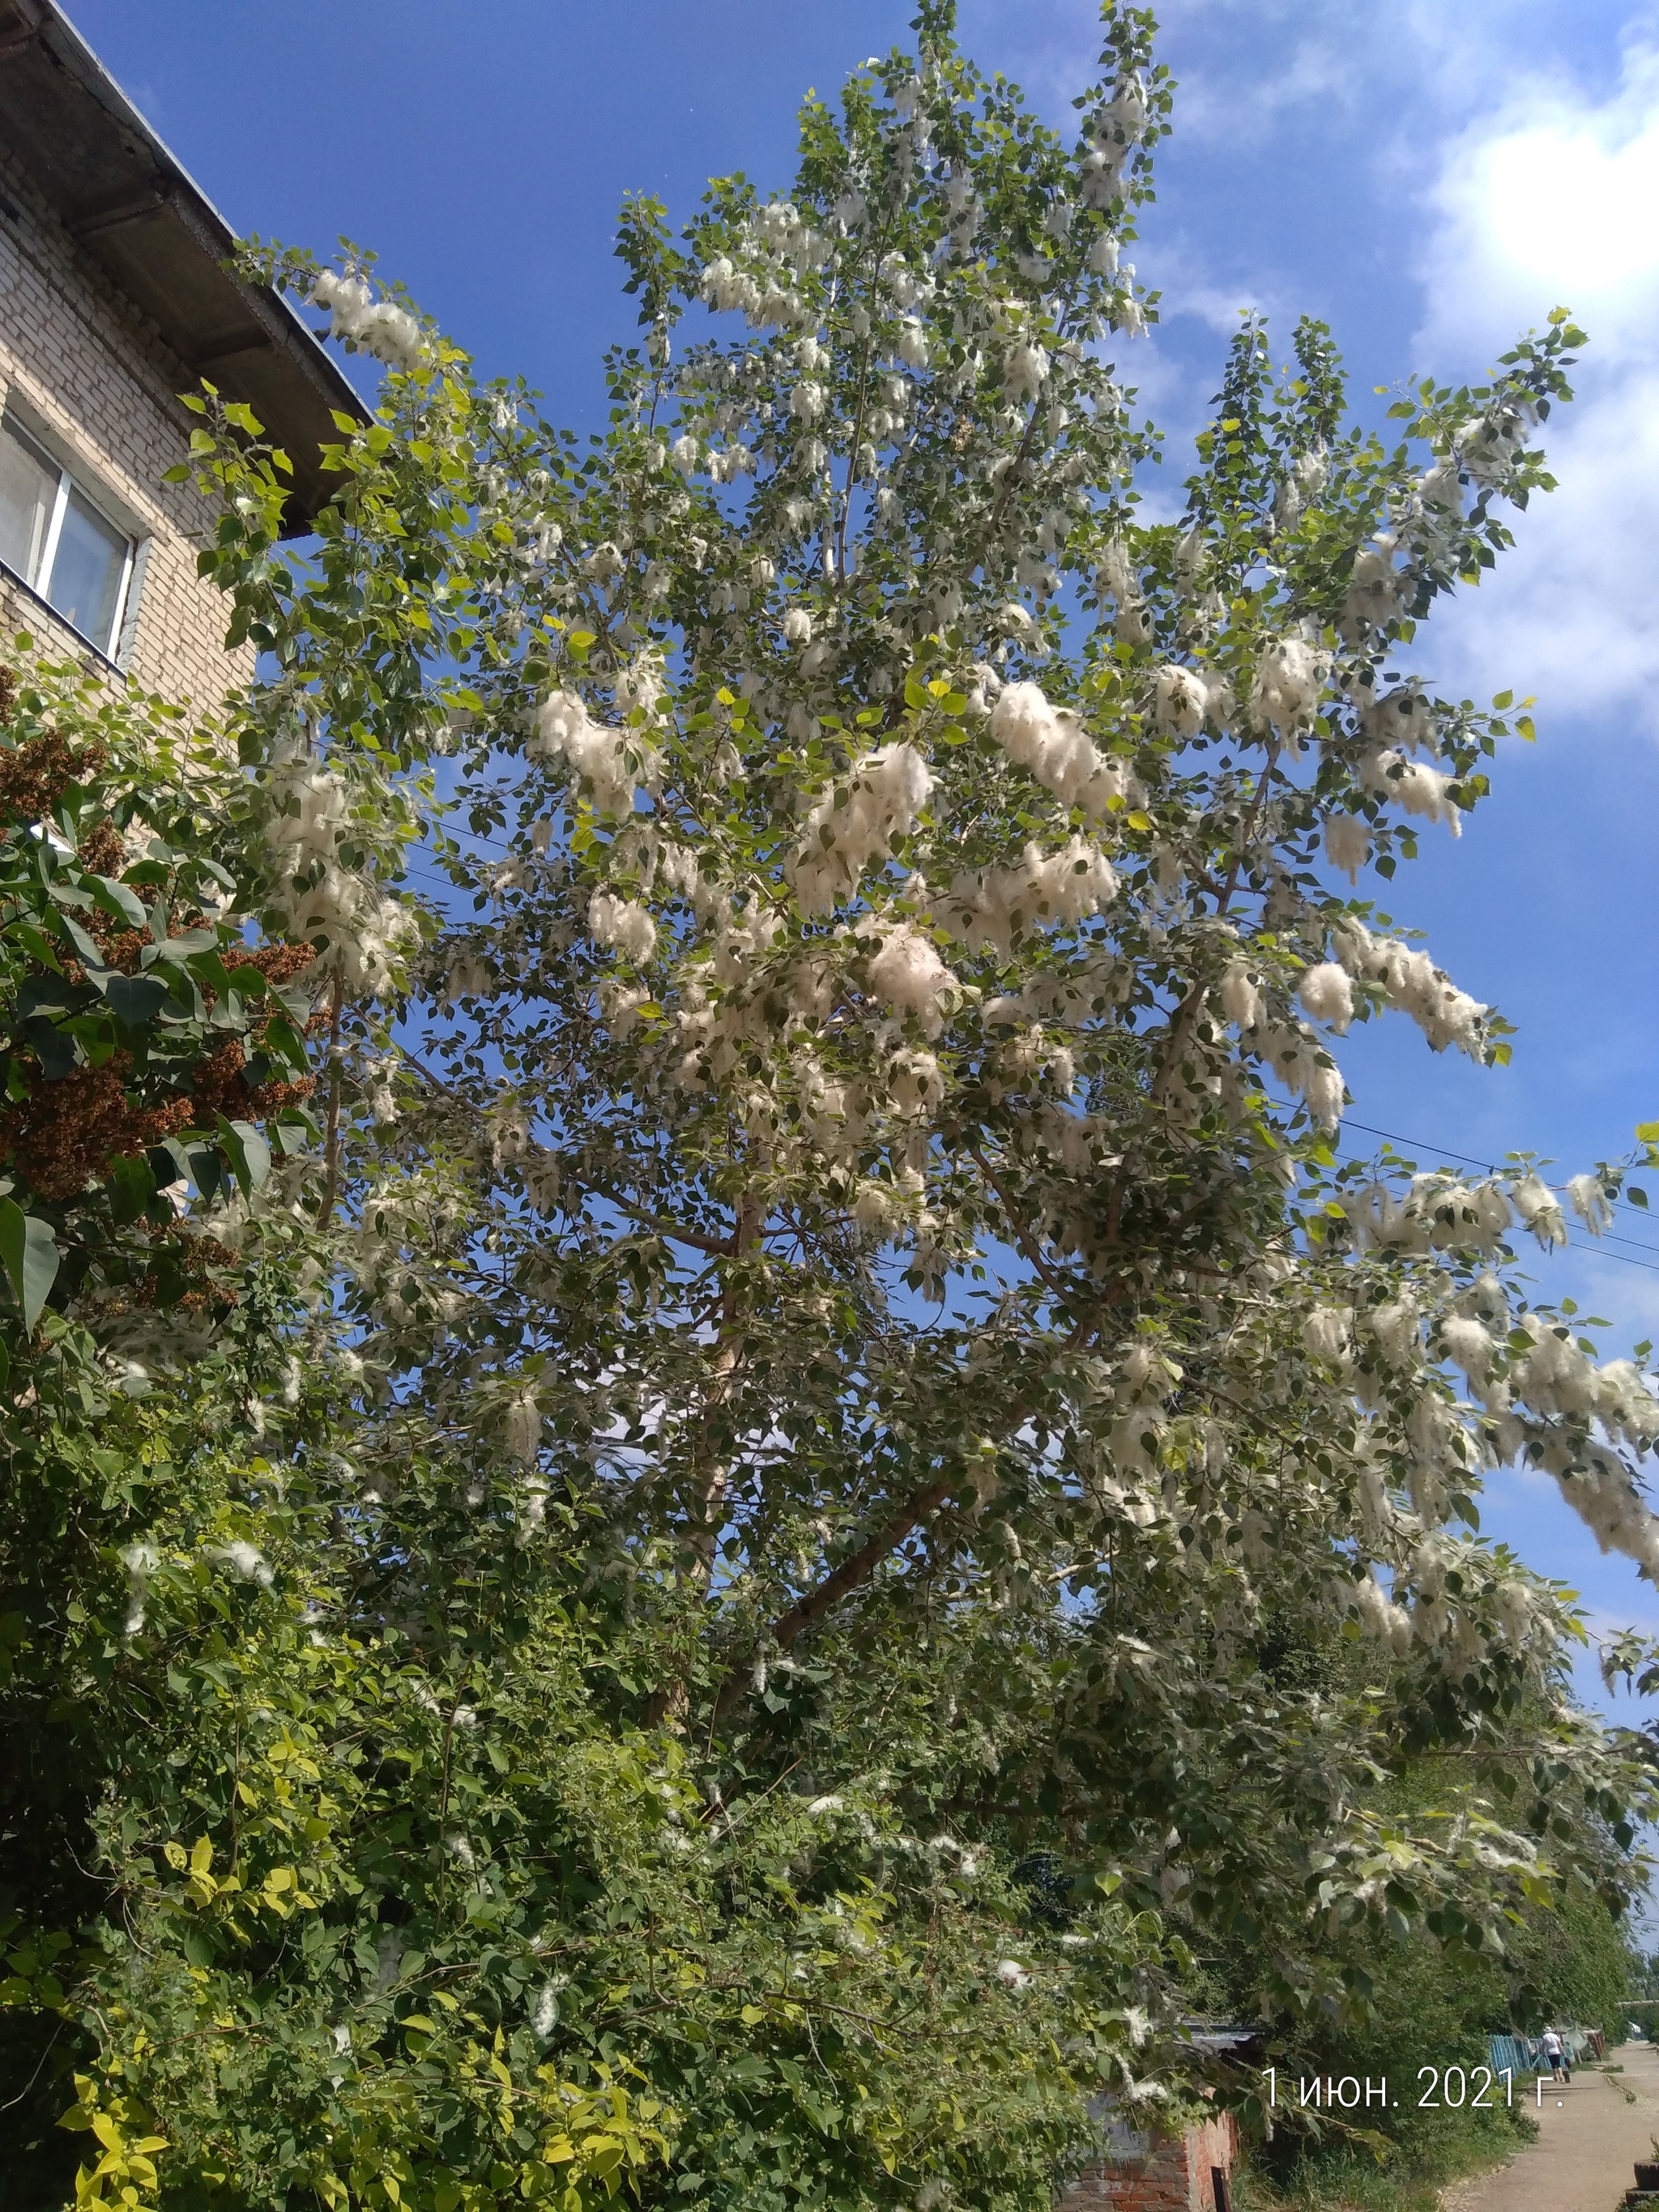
[{"x": 114, "y": 298}]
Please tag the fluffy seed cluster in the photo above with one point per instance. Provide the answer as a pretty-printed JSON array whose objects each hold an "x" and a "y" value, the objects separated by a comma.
[
  {"x": 1289, "y": 681},
  {"x": 1348, "y": 844},
  {"x": 379, "y": 327},
  {"x": 521, "y": 1427},
  {"x": 1412, "y": 981},
  {"x": 1390, "y": 1623},
  {"x": 996, "y": 908},
  {"x": 909, "y": 975},
  {"x": 623, "y": 924},
  {"x": 1377, "y": 590},
  {"x": 614, "y": 764},
  {"x": 357, "y": 931},
  {"x": 1413, "y": 785},
  {"x": 1304, "y": 1067},
  {"x": 851, "y": 828},
  {"x": 1326, "y": 992},
  {"x": 1180, "y": 700},
  {"x": 1290, "y": 1048},
  {"x": 1052, "y": 743}
]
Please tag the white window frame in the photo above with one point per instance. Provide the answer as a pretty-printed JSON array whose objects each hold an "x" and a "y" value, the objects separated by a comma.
[{"x": 69, "y": 480}]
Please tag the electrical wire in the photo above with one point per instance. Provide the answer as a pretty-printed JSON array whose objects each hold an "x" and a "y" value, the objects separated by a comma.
[{"x": 1469, "y": 1159}]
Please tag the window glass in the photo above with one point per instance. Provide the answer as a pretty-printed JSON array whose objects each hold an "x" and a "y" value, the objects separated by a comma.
[
  {"x": 87, "y": 568},
  {"x": 28, "y": 488},
  {"x": 55, "y": 539}
]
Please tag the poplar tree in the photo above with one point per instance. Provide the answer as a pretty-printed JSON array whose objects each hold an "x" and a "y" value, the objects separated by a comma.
[{"x": 840, "y": 1469}]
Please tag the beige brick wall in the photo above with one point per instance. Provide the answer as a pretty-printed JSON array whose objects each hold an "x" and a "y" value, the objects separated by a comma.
[{"x": 77, "y": 358}]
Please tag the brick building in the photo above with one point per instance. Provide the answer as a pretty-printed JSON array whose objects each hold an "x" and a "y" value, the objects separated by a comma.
[
  {"x": 1191, "y": 2172},
  {"x": 113, "y": 299}
]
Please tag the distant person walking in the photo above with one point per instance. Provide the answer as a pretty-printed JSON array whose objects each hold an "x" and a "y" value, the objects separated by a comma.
[{"x": 1555, "y": 2053}]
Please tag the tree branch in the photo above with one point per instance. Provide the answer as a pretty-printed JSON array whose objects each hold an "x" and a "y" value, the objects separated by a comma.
[
  {"x": 854, "y": 1568},
  {"x": 331, "y": 1143},
  {"x": 1022, "y": 1237}
]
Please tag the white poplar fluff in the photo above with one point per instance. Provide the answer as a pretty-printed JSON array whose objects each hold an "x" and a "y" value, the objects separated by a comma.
[
  {"x": 1412, "y": 785},
  {"x": 1328, "y": 1333},
  {"x": 615, "y": 763},
  {"x": 1026, "y": 371},
  {"x": 846, "y": 832},
  {"x": 1348, "y": 844},
  {"x": 1470, "y": 1342},
  {"x": 1327, "y": 994},
  {"x": 1180, "y": 701},
  {"x": 1376, "y": 591},
  {"x": 1389, "y": 1623},
  {"x": 141, "y": 1560},
  {"x": 1302, "y": 1065},
  {"x": 1401, "y": 718},
  {"x": 1051, "y": 742},
  {"x": 623, "y": 923},
  {"x": 245, "y": 1561},
  {"x": 1590, "y": 1203},
  {"x": 468, "y": 977},
  {"x": 998, "y": 906},
  {"x": 1241, "y": 998},
  {"x": 1289, "y": 681},
  {"x": 521, "y": 1427},
  {"x": 1414, "y": 983},
  {"x": 363, "y": 934},
  {"x": 379, "y": 327},
  {"x": 1539, "y": 1209},
  {"x": 909, "y": 973}
]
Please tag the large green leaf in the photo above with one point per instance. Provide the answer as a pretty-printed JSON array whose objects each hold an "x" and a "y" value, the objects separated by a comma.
[
  {"x": 250, "y": 1155},
  {"x": 116, "y": 899},
  {"x": 136, "y": 999},
  {"x": 29, "y": 1254}
]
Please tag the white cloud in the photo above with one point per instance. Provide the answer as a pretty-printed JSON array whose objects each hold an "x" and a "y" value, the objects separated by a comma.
[
  {"x": 1251, "y": 69},
  {"x": 1471, "y": 131},
  {"x": 1553, "y": 202}
]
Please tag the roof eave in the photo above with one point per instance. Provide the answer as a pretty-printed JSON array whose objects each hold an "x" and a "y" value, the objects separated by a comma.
[{"x": 135, "y": 210}]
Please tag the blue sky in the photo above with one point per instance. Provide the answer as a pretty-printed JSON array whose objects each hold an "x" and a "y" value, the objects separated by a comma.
[{"x": 1429, "y": 178}]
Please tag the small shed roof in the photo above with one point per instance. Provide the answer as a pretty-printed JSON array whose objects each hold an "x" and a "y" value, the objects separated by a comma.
[{"x": 133, "y": 208}]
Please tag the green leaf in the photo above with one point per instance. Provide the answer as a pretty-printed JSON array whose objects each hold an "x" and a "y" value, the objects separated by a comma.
[
  {"x": 131, "y": 1186},
  {"x": 85, "y": 949},
  {"x": 117, "y": 899},
  {"x": 135, "y": 1001},
  {"x": 29, "y": 1254},
  {"x": 250, "y": 1155}
]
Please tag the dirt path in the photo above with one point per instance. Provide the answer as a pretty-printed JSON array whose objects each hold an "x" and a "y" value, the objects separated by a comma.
[{"x": 1589, "y": 2136}]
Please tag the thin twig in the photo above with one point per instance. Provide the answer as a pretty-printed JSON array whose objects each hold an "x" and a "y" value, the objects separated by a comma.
[{"x": 332, "y": 1149}]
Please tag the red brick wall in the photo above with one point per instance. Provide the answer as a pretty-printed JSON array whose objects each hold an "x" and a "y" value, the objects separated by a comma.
[{"x": 1173, "y": 2175}]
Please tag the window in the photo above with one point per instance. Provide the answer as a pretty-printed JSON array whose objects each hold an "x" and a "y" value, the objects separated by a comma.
[{"x": 57, "y": 539}]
